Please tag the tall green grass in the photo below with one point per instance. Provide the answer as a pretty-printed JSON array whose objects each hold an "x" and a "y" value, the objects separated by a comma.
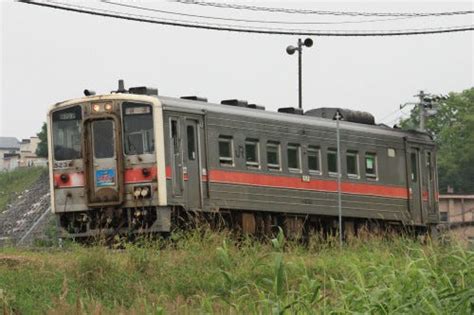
[{"x": 208, "y": 272}]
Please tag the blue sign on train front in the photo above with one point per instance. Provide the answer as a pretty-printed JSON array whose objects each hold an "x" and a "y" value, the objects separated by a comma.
[{"x": 104, "y": 178}]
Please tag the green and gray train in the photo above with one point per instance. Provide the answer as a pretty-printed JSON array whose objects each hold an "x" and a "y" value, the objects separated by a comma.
[{"x": 133, "y": 162}]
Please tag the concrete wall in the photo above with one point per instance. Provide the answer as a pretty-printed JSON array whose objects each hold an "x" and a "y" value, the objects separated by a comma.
[
  {"x": 459, "y": 213},
  {"x": 459, "y": 208}
]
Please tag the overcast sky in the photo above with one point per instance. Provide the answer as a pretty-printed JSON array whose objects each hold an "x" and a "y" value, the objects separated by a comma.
[{"x": 50, "y": 56}]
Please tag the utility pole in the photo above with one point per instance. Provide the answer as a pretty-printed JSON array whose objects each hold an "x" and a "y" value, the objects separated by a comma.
[
  {"x": 427, "y": 107},
  {"x": 422, "y": 108},
  {"x": 339, "y": 174},
  {"x": 308, "y": 42}
]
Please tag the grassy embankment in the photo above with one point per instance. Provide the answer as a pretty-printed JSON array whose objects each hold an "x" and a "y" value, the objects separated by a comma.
[
  {"x": 203, "y": 272},
  {"x": 15, "y": 182}
]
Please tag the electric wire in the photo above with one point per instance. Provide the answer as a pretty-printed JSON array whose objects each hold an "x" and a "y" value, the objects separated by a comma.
[
  {"x": 241, "y": 29},
  {"x": 390, "y": 114},
  {"x": 320, "y": 12},
  {"x": 132, "y": 6}
]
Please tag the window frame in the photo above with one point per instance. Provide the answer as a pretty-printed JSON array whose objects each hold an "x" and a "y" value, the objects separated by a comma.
[
  {"x": 354, "y": 153},
  {"x": 330, "y": 173},
  {"x": 277, "y": 145},
  {"x": 317, "y": 150},
  {"x": 375, "y": 175},
  {"x": 223, "y": 160},
  {"x": 256, "y": 143}
]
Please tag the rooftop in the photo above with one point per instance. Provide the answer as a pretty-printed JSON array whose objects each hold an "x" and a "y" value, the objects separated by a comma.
[{"x": 9, "y": 143}]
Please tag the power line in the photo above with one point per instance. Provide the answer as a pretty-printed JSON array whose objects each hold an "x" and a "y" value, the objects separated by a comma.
[
  {"x": 232, "y": 28},
  {"x": 390, "y": 114},
  {"x": 132, "y": 6},
  {"x": 320, "y": 12}
]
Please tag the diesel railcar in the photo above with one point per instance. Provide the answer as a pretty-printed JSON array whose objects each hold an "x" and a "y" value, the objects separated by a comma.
[{"x": 132, "y": 161}]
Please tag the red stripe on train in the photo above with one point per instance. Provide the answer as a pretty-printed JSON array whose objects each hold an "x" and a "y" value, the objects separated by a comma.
[
  {"x": 133, "y": 175},
  {"x": 70, "y": 180},
  {"x": 138, "y": 175},
  {"x": 277, "y": 181}
]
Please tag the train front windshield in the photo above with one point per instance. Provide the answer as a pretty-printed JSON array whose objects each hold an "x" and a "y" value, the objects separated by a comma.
[
  {"x": 67, "y": 133},
  {"x": 138, "y": 128}
]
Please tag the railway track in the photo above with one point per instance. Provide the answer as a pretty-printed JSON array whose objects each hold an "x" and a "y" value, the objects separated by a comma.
[{"x": 26, "y": 217}]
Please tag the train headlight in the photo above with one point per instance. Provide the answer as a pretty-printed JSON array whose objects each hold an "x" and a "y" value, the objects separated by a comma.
[
  {"x": 108, "y": 107},
  {"x": 145, "y": 192},
  {"x": 96, "y": 108},
  {"x": 137, "y": 192}
]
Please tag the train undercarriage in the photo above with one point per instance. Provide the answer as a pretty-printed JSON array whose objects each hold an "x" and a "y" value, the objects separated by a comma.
[{"x": 131, "y": 222}]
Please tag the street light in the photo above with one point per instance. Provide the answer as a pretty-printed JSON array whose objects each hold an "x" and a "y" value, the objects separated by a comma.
[{"x": 308, "y": 42}]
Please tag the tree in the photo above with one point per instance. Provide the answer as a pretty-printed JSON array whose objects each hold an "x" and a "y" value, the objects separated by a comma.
[
  {"x": 453, "y": 130},
  {"x": 42, "y": 149}
]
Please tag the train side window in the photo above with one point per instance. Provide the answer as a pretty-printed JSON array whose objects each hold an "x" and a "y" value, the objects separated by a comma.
[
  {"x": 352, "y": 163},
  {"x": 252, "y": 153},
  {"x": 371, "y": 165},
  {"x": 314, "y": 160},
  {"x": 293, "y": 155},
  {"x": 226, "y": 149},
  {"x": 332, "y": 161},
  {"x": 273, "y": 156},
  {"x": 414, "y": 172}
]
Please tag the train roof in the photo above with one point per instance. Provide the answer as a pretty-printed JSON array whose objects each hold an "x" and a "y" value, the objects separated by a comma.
[
  {"x": 199, "y": 106},
  {"x": 173, "y": 103}
]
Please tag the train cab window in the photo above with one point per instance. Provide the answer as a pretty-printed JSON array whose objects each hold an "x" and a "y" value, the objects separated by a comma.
[
  {"x": 293, "y": 155},
  {"x": 352, "y": 163},
  {"x": 371, "y": 165},
  {"x": 332, "y": 161},
  {"x": 138, "y": 136},
  {"x": 252, "y": 153},
  {"x": 67, "y": 133},
  {"x": 273, "y": 156},
  {"x": 226, "y": 148},
  {"x": 314, "y": 160}
]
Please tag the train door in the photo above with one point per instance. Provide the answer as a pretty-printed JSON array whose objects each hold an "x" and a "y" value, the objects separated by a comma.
[
  {"x": 103, "y": 169},
  {"x": 415, "y": 184},
  {"x": 177, "y": 182},
  {"x": 191, "y": 167}
]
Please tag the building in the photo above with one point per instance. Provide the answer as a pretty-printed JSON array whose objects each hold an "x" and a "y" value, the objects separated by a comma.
[
  {"x": 28, "y": 151},
  {"x": 457, "y": 215},
  {"x": 9, "y": 147},
  {"x": 14, "y": 153}
]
